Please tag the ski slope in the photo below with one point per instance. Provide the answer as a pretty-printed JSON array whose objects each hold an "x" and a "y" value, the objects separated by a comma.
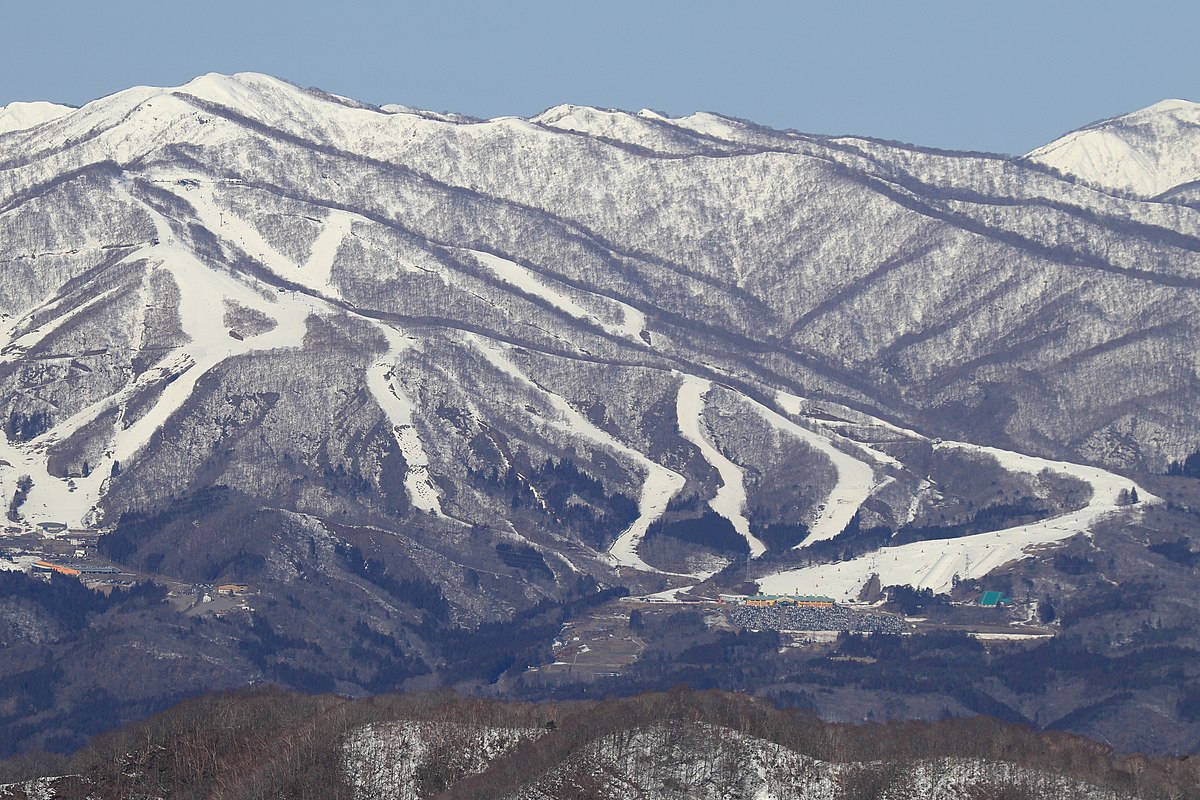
[
  {"x": 631, "y": 321},
  {"x": 385, "y": 388},
  {"x": 318, "y": 269},
  {"x": 933, "y": 564},
  {"x": 659, "y": 486},
  {"x": 315, "y": 274},
  {"x": 202, "y": 289},
  {"x": 730, "y": 500},
  {"x": 855, "y": 478}
]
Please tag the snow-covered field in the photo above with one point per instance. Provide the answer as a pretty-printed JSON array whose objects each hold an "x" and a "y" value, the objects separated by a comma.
[{"x": 18, "y": 563}]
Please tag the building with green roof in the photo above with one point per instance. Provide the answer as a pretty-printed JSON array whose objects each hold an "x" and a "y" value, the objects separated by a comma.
[{"x": 993, "y": 599}]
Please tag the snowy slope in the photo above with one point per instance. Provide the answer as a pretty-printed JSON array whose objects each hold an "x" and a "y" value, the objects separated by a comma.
[
  {"x": 1147, "y": 152},
  {"x": 384, "y": 386},
  {"x": 661, "y": 484},
  {"x": 19, "y": 116},
  {"x": 934, "y": 564},
  {"x": 730, "y": 500},
  {"x": 855, "y": 480}
]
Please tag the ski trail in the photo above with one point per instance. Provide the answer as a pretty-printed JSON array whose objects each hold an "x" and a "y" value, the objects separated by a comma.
[
  {"x": 385, "y": 387},
  {"x": 934, "y": 564},
  {"x": 855, "y": 479},
  {"x": 730, "y": 500},
  {"x": 317, "y": 271},
  {"x": 201, "y": 289},
  {"x": 633, "y": 322},
  {"x": 319, "y": 267},
  {"x": 794, "y": 406},
  {"x": 14, "y": 349},
  {"x": 314, "y": 274},
  {"x": 660, "y": 485}
]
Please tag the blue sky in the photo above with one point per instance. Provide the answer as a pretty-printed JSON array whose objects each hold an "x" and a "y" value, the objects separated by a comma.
[{"x": 966, "y": 74}]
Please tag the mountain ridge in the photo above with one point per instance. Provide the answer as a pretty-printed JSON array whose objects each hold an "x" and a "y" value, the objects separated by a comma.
[
  {"x": 448, "y": 374},
  {"x": 257, "y": 93}
]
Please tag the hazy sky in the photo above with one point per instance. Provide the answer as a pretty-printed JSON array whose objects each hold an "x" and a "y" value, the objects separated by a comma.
[{"x": 983, "y": 75}]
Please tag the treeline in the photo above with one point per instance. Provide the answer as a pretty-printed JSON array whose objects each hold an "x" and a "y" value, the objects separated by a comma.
[
  {"x": 21, "y": 427},
  {"x": 269, "y": 743},
  {"x": 709, "y": 530},
  {"x": 1188, "y": 468},
  {"x": 911, "y": 601}
]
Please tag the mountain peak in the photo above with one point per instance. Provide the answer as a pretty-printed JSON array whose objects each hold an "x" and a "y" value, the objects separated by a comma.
[
  {"x": 1147, "y": 152},
  {"x": 1169, "y": 106},
  {"x": 18, "y": 116},
  {"x": 216, "y": 84}
]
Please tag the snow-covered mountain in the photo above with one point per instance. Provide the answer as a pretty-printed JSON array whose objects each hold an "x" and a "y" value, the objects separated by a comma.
[
  {"x": 19, "y": 116},
  {"x": 1154, "y": 152},
  {"x": 528, "y": 346},
  {"x": 408, "y": 373}
]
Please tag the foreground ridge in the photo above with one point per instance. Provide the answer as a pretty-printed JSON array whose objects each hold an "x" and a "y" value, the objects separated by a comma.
[{"x": 679, "y": 744}]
